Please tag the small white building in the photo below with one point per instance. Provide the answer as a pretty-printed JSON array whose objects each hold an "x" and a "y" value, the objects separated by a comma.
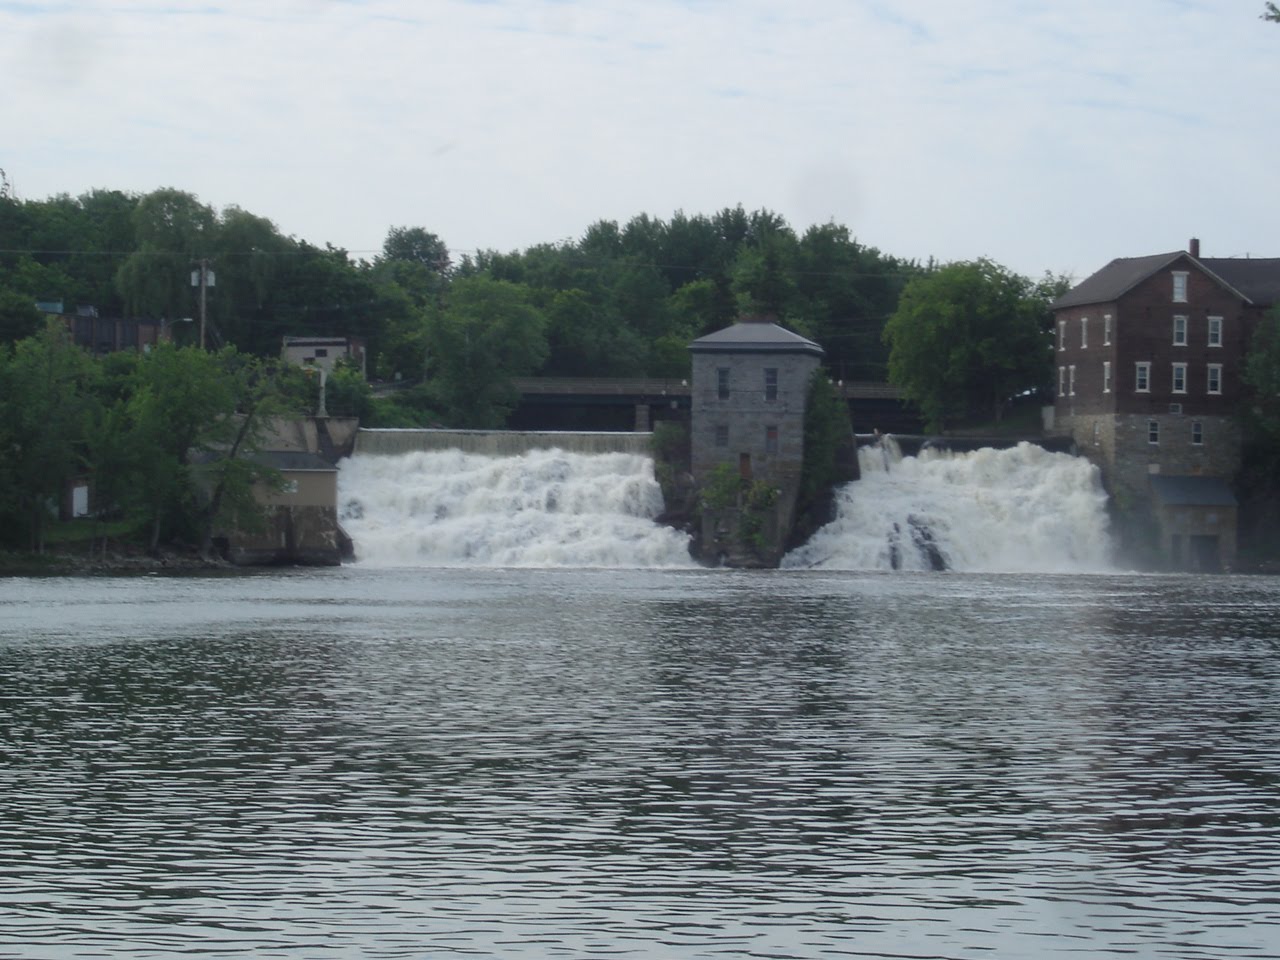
[{"x": 323, "y": 352}]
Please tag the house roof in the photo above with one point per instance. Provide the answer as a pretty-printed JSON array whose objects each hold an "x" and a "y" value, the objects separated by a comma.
[
  {"x": 1192, "y": 491},
  {"x": 753, "y": 336},
  {"x": 1258, "y": 279},
  {"x": 1115, "y": 279},
  {"x": 1254, "y": 280}
]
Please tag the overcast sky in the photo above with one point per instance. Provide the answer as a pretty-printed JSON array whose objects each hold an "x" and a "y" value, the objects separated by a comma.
[{"x": 1044, "y": 135}]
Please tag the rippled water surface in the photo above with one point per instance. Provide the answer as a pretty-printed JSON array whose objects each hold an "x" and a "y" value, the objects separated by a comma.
[{"x": 639, "y": 764}]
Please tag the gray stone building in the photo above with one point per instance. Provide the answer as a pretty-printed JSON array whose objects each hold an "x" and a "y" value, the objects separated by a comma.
[
  {"x": 749, "y": 389},
  {"x": 1149, "y": 353}
]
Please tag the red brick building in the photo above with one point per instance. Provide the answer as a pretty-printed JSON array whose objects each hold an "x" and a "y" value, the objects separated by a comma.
[{"x": 1149, "y": 353}]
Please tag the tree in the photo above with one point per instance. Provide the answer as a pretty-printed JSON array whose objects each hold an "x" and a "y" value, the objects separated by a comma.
[
  {"x": 487, "y": 333},
  {"x": 966, "y": 339},
  {"x": 19, "y": 317},
  {"x": 45, "y": 389},
  {"x": 1272, "y": 13},
  {"x": 173, "y": 229},
  {"x": 1262, "y": 376}
]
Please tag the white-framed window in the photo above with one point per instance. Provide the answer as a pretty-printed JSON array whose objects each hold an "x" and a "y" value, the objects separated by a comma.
[
  {"x": 1084, "y": 332},
  {"x": 771, "y": 383},
  {"x": 1179, "y": 286},
  {"x": 1153, "y": 431},
  {"x": 1106, "y": 329},
  {"x": 1142, "y": 377},
  {"x": 1071, "y": 380},
  {"x": 1062, "y": 381},
  {"x": 1179, "y": 378},
  {"x": 1197, "y": 432},
  {"x": 1062, "y": 335},
  {"x": 1106, "y": 376},
  {"x": 1215, "y": 378},
  {"x": 1179, "y": 331},
  {"x": 1215, "y": 331}
]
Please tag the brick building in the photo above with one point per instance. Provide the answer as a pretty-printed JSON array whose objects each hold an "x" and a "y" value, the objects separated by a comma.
[{"x": 1149, "y": 354}]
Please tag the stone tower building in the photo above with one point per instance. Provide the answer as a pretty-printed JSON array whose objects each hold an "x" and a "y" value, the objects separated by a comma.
[{"x": 750, "y": 386}]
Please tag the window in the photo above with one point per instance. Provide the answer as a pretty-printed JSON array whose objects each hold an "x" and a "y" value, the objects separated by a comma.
[
  {"x": 1197, "y": 432},
  {"x": 1106, "y": 329},
  {"x": 1062, "y": 334},
  {"x": 1179, "y": 378},
  {"x": 1215, "y": 378},
  {"x": 1153, "y": 431},
  {"x": 722, "y": 383},
  {"x": 1179, "y": 331},
  {"x": 322, "y": 351},
  {"x": 1084, "y": 332},
  {"x": 1179, "y": 286},
  {"x": 770, "y": 439},
  {"x": 722, "y": 434},
  {"x": 1215, "y": 331},
  {"x": 1142, "y": 377},
  {"x": 1062, "y": 381},
  {"x": 1071, "y": 380},
  {"x": 1106, "y": 376},
  {"x": 771, "y": 383}
]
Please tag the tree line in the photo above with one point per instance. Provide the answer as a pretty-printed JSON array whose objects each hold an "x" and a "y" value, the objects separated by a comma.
[{"x": 623, "y": 300}]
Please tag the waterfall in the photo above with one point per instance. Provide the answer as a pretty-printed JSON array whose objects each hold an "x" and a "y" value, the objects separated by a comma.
[
  {"x": 1022, "y": 509},
  {"x": 543, "y": 508}
]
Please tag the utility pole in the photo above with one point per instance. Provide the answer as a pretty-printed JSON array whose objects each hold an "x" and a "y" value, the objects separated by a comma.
[{"x": 203, "y": 278}]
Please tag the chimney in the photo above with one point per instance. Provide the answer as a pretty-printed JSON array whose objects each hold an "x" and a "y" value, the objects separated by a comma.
[{"x": 1193, "y": 247}]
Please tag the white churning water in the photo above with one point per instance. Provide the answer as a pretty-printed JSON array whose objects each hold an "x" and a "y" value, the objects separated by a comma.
[
  {"x": 991, "y": 511},
  {"x": 544, "y": 508}
]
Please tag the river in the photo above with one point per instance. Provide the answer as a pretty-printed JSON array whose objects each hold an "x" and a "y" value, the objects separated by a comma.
[{"x": 527, "y": 763}]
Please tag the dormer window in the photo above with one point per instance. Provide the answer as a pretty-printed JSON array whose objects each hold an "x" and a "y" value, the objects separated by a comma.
[{"x": 1179, "y": 286}]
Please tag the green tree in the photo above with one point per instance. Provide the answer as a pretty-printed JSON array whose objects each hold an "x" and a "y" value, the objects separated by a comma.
[
  {"x": 487, "y": 333},
  {"x": 46, "y": 387},
  {"x": 1262, "y": 377},
  {"x": 173, "y": 230},
  {"x": 19, "y": 317},
  {"x": 966, "y": 339},
  {"x": 1272, "y": 13}
]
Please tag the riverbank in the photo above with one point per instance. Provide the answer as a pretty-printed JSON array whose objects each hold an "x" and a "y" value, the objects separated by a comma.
[{"x": 116, "y": 560}]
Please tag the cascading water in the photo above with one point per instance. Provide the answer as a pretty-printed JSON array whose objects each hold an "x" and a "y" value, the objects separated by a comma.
[
  {"x": 542, "y": 508},
  {"x": 1022, "y": 509}
]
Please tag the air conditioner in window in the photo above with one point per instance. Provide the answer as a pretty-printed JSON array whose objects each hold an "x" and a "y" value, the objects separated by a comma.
[{"x": 1175, "y": 408}]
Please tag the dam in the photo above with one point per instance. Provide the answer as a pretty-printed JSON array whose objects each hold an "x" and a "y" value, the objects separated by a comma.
[{"x": 449, "y": 498}]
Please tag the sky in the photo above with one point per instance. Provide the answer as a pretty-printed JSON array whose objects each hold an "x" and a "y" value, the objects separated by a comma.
[{"x": 1047, "y": 136}]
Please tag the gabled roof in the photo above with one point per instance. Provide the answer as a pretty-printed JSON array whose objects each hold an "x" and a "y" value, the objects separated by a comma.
[
  {"x": 1115, "y": 279},
  {"x": 1192, "y": 491},
  {"x": 1256, "y": 281},
  {"x": 754, "y": 337}
]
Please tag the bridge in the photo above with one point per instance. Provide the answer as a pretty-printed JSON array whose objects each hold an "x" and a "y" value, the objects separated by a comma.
[{"x": 635, "y": 403}]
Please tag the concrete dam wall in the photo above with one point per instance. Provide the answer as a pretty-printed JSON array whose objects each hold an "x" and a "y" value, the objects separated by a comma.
[{"x": 497, "y": 443}]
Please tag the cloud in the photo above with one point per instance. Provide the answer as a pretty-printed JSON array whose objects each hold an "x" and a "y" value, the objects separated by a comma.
[{"x": 1042, "y": 135}]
